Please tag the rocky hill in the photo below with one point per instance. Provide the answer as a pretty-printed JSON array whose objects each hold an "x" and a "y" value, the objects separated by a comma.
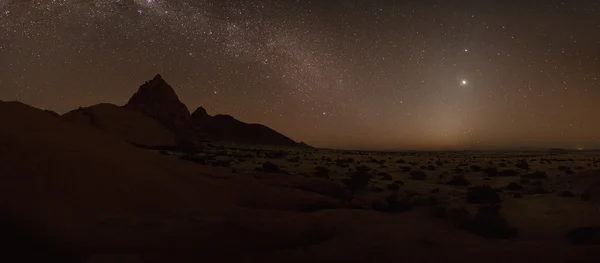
[
  {"x": 227, "y": 128},
  {"x": 157, "y": 99},
  {"x": 129, "y": 125}
]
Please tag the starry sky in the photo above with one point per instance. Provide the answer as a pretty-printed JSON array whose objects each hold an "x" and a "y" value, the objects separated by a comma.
[{"x": 338, "y": 73}]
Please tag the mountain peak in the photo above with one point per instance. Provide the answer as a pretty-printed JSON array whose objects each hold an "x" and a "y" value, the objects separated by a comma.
[
  {"x": 158, "y": 77},
  {"x": 157, "y": 99},
  {"x": 200, "y": 112}
]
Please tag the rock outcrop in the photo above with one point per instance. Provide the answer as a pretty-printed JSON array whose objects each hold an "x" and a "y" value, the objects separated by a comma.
[
  {"x": 159, "y": 101},
  {"x": 227, "y": 128},
  {"x": 124, "y": 123}
]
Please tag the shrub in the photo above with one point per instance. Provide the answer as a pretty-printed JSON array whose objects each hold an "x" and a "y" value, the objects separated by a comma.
[
  {"x": 275, "y": 154},
  {"x": 357, "y": 181},
  {"x": 522, "y": 165},
  {"x": 418, "y": 175},
  {"x": 514, "y": 187},
  {"x": 222, "y": 163},
  {"x": 482, "y": 195},
  {"x": 491, "y": 171},
  {"x": 583, "y": 235},
  {"x": 194, "y": 158},
  {"x": 586, "y": 196},
  {"x": 363, "y": 169},
  {"x": 271, "y": 168},
  {"x": 566, "y": 194},
  {"x": 377, "y": 189},
  {"x": 489, "y": 223},
  {"x": 385, "y": 176},
  {"x": 535, "y": 175},
  {"x": 439, "y": 212},
  {"x": 393, "y": 187},
  {"x": 395, "y": 205},
  {"x": 476, "y": 168},
  {"x": 321, "y": 172},
  {"x": 508, "y": 172},
  {"x": 458, "y": 180}
]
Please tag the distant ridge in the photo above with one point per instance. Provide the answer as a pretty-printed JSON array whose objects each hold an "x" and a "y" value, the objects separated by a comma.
[{"x": 227, "y": 128}]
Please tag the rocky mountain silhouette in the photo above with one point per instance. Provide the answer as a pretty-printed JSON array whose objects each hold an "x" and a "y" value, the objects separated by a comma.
[
  {"x": 227, "y": 128},
  {"x": 157, "y": 99}
]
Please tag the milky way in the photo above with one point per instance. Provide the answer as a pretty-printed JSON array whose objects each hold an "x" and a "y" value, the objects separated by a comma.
[{"x": 346, "y": 74}]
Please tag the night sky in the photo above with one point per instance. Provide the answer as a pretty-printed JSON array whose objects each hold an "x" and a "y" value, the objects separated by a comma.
[{"x": 343, "y": 74}]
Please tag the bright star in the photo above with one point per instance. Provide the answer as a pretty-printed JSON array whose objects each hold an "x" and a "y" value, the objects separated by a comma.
[{"x": 464, "y": 82}]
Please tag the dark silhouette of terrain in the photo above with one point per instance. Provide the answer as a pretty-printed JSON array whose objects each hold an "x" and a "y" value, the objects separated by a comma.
[
  {"x": 135, "y": 128},
  {"x": 227, "y": 128},
  {"x": 74, "y": 194},
  {"x": 76, "y": 188}
]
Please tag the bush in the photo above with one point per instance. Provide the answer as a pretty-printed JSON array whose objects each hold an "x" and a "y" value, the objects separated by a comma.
[
  {"x": 522, "y": 165},
  {"x": 271, "y": 168},
  {"x": 275, "y": 154},
  {"x": 508, "y": 172},
  {"x": 439, "y": 212},
  {"x": 385, "y": 176},
  {"x": 194, "y": 158},
  {"x": 491, "y": 171},
  {"x": 586, "y": 196},
  {"x": 514, "y": 187},
  {"x": 458, "y": 180},
  {"x": 357, "y": 181},
  {"x": 321, "y": 172},
  {"x": 535, "y": 175},
  {"x": 377, "y": 189},
  {"x": 395, "y": 205},
  {"x": 393, "y": 187},
  {"x": 222, "y": 163},
  {"x": 363, "y": 169},
  {"x": 567, "y": 194},
  {"x": 482, "y": 195},
  {"x": 476, "y": 168},
  {"x": 418, "y": 175},
  {"x": 489, "y": 223},
  {"x": 584, "y": 235}
]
